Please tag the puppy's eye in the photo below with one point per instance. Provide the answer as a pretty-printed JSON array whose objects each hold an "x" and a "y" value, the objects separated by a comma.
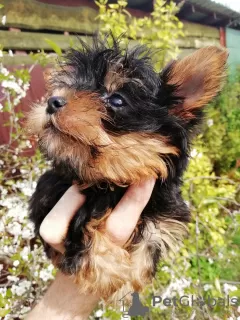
[{"x": 116, "y": 101}]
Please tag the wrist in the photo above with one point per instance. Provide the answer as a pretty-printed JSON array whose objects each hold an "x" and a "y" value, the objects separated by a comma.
[{"x": 63, "y": 301}]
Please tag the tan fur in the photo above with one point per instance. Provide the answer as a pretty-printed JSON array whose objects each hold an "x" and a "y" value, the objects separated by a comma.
[
  {"x": 114, "y": 81},
  {"x": 112, "y": 271},
  {"x": 199, "y": 78},
  {"x": 47, "y": 76},
  {"x": 117, "y": 76},
  {"x": 144, "y": 154},
  {"x": 105, "y": 267},
  {"x": 59, "y": 72},
  {"x": 70, "y": 133}
]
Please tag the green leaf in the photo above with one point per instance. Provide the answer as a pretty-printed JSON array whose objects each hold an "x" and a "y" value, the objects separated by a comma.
[
  {"x": 54, "y": 46},
  {"x": 4, "y": 312}
]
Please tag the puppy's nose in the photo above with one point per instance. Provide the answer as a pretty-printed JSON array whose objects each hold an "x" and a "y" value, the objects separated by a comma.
[{"x": 54, "y": 104}]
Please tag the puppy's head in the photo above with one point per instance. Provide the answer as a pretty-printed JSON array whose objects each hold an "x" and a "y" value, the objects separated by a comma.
[{"x": 111, "y": 117}]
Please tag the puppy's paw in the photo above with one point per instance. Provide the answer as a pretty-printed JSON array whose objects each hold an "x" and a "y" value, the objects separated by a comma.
[
  {"x": 97, "y": 264},
  {"x": 105, "y": 267}
]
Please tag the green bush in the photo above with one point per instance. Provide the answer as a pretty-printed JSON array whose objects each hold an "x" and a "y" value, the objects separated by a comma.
[
  {"x": 158, "y": 31},
  {"x": 223, "y": 142}
]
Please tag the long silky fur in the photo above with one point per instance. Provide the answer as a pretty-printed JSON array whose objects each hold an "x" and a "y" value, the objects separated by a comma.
[{"x": 105, "y": 149}]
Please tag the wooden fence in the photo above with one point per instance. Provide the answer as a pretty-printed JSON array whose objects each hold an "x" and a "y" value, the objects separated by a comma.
[{"x": 32, "y": 25}]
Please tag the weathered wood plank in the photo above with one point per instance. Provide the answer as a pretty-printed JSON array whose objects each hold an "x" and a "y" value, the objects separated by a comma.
[
  {"x": 35, "y": 41},
  {"x": 199, "y": 30},
  {"x": 31, "y": 14},
  {"x": 17, "y": 60},
  {"x": 185, "y": 52},
  {"x": 197, "y": 43}
]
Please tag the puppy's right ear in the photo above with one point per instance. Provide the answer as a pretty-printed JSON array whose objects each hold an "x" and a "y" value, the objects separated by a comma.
[{"x": 194, "y": 81}]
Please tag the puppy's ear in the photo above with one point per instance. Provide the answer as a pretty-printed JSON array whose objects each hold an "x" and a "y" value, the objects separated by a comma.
[{"x": 195, "y": 80}]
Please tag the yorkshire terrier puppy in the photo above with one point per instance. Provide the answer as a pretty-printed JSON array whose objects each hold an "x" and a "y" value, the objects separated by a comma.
[{"x": 110, "y": 120}]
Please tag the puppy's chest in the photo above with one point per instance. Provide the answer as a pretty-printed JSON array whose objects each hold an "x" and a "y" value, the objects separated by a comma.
[{"x": 101, "y": 198}]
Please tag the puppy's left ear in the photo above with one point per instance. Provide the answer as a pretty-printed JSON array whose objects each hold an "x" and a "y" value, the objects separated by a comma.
[{"x": 194, "y": 81}]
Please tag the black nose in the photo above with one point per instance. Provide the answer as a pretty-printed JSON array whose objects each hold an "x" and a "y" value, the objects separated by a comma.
[{"x": 54, "y": 104}]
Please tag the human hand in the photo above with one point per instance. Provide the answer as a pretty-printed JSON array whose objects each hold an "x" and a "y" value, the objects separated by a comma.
[
  {"x": 63, "y": 301},
  {"x": 119, "y": 225}
]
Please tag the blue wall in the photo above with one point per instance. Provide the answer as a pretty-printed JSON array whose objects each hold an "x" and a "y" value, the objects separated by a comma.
[{"x": 233, "y": 45}]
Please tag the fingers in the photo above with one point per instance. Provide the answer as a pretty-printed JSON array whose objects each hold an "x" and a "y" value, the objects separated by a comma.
[
  {"x": 123, "y": 219},
  {"x": 119, "y": 225},
  {"x": 55, "y": 225}
]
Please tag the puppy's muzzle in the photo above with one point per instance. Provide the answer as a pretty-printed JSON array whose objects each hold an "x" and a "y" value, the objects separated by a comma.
[{"x": 54, "y": 104}]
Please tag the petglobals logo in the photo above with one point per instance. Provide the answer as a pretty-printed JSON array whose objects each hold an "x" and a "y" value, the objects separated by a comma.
[
  {"x": 192, "y": 301},
  {"x": 138, "y": 309}
]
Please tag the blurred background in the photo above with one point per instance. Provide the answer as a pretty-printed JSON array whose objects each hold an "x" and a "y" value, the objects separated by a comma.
[{"x": 33, "y": 35}]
